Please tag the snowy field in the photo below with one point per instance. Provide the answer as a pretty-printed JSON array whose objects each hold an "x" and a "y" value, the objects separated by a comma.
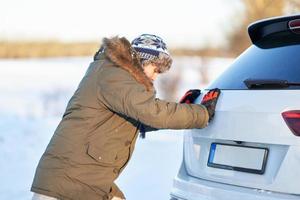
[{"x": 33, "y": 97}]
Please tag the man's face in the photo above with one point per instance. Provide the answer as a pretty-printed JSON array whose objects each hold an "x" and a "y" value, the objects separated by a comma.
[{"x": 151, "y": 71}]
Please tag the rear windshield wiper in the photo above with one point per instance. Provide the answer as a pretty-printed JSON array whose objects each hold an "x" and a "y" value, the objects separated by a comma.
[{"x": 268, "y": 83}]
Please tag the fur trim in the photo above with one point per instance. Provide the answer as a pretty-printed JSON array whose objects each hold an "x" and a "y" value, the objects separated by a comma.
[{"x": 119, "y": 51}]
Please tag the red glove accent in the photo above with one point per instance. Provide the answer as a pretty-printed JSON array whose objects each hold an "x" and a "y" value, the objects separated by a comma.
[
  {"x": 190, "y": 96},
  {"x": 210, "y": 101}
]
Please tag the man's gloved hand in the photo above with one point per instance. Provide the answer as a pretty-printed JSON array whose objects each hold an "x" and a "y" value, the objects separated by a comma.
[
  {"x": 210, "y": 101},
  {"x": 190, "y": 96}
]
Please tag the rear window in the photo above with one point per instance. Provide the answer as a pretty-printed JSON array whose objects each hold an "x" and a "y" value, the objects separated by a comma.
[{"x": 257, "y": 63}]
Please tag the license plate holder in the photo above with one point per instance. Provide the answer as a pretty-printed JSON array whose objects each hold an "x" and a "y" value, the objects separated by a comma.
[{"x": 255, "y": 163}]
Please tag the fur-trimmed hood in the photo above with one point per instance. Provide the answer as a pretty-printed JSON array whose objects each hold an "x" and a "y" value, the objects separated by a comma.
[{"x": 120, "y": 52}]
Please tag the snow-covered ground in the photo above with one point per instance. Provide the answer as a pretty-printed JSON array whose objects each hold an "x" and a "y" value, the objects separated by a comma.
[{"x": 33, "y": 96}]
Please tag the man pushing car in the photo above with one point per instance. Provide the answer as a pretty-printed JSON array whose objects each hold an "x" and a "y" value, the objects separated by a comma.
[{"x": 115, "y": 99}]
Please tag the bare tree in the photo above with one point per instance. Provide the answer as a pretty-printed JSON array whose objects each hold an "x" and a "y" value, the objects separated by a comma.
[
  {"x": 254, "y": 10},
  {"x": 293, "y": 6}
]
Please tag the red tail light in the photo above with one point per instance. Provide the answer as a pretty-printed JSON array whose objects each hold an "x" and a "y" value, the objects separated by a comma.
[
  {"x": 294, "y": 26},
  {"x": 292, "y": 119}
]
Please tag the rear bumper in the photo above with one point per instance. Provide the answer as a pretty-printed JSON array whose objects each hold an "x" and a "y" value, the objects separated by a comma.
[{"x": 189, "y": 188}]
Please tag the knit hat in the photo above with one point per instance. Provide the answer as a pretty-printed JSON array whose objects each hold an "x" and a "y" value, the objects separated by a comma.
[{"x": 151, "y": 49}]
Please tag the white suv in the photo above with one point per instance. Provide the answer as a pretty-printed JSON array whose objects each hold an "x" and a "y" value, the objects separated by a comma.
[{"x": 251, "y": 149}]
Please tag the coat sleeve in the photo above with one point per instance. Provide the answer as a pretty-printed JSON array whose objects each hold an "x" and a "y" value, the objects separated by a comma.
[{"x": 121, "y": 93}]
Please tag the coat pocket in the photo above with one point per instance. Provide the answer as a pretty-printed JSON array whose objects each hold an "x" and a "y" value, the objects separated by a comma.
[{"x": 103, "y": 155}]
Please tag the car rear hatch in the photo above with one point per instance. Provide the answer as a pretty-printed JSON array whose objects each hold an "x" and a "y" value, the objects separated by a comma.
[{"x": 253, "y": 141}]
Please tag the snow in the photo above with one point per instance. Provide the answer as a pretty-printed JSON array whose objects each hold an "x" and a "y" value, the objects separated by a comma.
[{"x": 34, "y": 94}]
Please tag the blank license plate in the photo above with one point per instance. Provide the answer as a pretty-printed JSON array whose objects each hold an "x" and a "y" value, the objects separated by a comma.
[{"x": 238, "y": 158}]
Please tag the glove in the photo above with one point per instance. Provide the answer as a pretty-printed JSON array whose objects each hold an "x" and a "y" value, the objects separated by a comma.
[
  {"x": 210, "y": 101},
  {"x": 190, "y": 96}
]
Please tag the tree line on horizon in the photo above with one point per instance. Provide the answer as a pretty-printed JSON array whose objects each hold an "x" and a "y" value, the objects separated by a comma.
[{"x": 237, "y": 39}]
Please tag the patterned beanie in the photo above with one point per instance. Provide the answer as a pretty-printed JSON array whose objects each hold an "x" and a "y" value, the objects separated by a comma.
[{"x": 152, "y": 50}]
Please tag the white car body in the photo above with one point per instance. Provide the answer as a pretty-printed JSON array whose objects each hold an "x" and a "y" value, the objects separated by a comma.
[
  {"x": 250, "y": 150},
  {"x": 256, "y": 118}
]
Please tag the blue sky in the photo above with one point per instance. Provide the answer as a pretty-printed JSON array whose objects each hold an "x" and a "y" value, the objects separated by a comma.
[{"x": 184, "y": 23}]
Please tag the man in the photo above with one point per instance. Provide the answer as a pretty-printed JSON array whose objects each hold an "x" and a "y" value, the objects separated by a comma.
[{"x": 96, "y": 136}]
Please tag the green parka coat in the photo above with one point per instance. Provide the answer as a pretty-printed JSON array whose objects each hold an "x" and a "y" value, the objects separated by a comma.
[{"x": 96, "y": 136}]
